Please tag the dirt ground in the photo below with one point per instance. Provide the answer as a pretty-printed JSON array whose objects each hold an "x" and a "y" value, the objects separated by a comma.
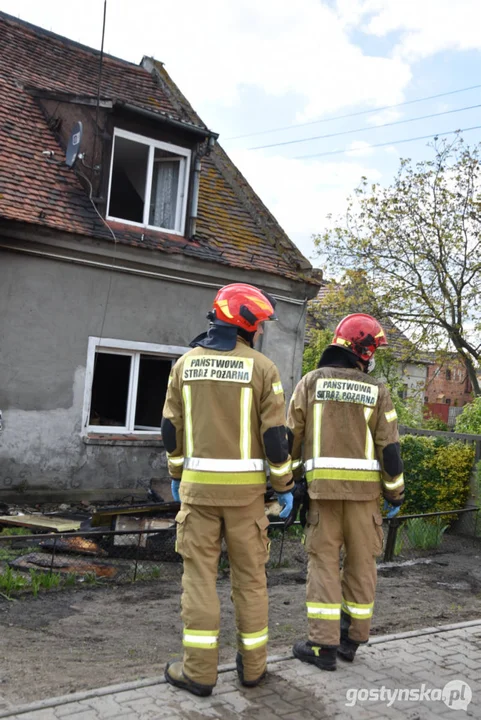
[{"x": 71, "y": 640}]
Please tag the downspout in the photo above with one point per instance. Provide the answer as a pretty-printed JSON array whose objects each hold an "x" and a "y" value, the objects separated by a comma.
[
  {"x": 194, "y": 198},
  {"x": 202, "y": 151}
]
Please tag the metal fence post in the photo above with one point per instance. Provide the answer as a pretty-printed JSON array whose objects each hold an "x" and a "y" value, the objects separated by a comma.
[
  {"x": 53, "y": 554},
  {"x": 391, "y": 539},
  {"x": 137, "y": 557}
]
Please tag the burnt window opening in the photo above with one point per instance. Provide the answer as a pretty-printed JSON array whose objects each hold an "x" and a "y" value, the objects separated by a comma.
[
  {"x": 448, "y": 374},
  {"x": 128, "y": 390},
  {"x": 149, "y": 182},
  {"x": 110, "y": 389},
  {"x": 151, "y": 390},
  {"x": 129, "y": 175}
]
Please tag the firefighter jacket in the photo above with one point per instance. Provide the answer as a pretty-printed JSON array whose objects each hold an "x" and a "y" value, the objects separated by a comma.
[
  {"x": 223, "y": 421},
  {"x": 345, "y": 436}
]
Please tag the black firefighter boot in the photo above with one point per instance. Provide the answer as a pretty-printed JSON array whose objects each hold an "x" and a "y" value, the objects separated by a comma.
[
  {"x": 240, "y": 672},
  {"x": 322, "y": 656},
  {"x": 174, "y": 674},
  {"x": 348, "y": 648}
]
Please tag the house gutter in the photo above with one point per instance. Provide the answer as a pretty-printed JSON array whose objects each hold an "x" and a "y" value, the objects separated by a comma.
[
  {"x": 187, "y": 127},
  {"x": 132, "y": 271}
]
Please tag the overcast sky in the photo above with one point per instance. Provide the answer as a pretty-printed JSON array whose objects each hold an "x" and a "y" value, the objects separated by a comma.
[{"x": 250, "y": 66}]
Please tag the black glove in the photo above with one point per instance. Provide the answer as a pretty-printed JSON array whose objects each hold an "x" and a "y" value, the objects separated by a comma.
[
  {"x": 396, "y": 502},
  {"x": 304, "y": 509},
  {"x": 300, "y": 495}
]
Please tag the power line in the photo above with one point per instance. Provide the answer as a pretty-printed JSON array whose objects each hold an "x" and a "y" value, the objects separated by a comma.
[
  {"x": 354, "y": 114},
  {"x": 393, "y": 142},
  {"x": 365, "y": 129}
]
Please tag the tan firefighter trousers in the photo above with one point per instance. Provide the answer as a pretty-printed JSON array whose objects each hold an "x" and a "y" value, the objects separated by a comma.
[
  {"x": 200, "y": 530},
  {"x": 333, "y": 596}
]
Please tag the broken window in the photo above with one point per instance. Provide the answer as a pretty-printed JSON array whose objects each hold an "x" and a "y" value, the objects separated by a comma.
[
  {"x": 128, "y": 389},
  {"x": 148, "y": 183}
]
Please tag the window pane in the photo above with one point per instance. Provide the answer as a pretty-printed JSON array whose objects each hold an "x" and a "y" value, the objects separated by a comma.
[
  {"x": 165, "y": 184},
  {"x": 153, "y": 378},
  {"x": 129, "y": 174},
  {"x": 110, "y": 389}
]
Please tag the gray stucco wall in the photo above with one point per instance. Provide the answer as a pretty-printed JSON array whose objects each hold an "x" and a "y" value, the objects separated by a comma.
[{"x": 48, "y": 311}]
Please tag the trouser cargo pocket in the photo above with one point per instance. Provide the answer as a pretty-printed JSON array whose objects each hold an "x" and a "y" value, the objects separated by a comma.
[
  {"x": 264, "y": 542},
  {"x": 180, "y": 538},
  {"x": 378, "y": 538},
  {"x": 311, "y": 528}
]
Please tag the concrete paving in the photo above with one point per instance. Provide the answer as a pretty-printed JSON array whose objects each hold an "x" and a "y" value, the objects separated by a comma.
[{"x": 423, "y": 675}]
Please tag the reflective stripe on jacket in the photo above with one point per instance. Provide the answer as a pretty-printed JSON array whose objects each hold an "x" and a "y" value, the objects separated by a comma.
[
  {"x": 221, "y": 404},
  {"x": 345, "y": 432}
]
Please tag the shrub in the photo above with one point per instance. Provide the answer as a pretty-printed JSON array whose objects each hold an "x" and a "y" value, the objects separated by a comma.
[
  {"x": 436, "y": 473},
  {"x": 469, "y": 421}
]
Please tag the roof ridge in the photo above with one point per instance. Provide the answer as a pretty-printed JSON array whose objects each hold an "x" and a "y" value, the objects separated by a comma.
[{"x": 38, "y": 30}]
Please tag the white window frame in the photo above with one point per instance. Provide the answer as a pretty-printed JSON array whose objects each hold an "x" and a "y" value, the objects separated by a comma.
[
  {"x": 134, "y": 350},
  {"x": 182, "y": 190}
]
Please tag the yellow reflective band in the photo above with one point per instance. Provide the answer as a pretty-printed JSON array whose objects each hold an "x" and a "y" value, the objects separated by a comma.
[
  {"x": 169, "y": 381},
  {"x": 277, "y": 388},
  {"x": 391, "y": 415},
  {"x": 224, "y": 478},
  {"x": 205, "y": 639},
  {"x": 354, "y": 475},
  {"x": 316, "y": 445},
  {"x": 219, "y": 465},
  {"x": 323, "y": 611},
  {"x": 189, "y": 436},
  {"x": 254, "y": 635},
  {"x": 369, "y": 449},
  {"x": 251, "y": 640},
  {"x": 397, "y": 482},
  {"x": 296, "y": 464},
  {"x": 358, "y": 610},
  {"x": 245, "y": 423},
  {"x": 283, "y": 470},
  {"x": 175, "y": 460}
]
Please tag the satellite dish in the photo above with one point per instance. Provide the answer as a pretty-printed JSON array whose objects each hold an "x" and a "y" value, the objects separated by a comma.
[{"x": 73, "y": 147}]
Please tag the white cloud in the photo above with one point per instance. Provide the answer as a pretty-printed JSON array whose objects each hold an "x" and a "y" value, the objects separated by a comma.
[
  {"x": 385, "y": 116},
  {"x": 359, "y": 148},
  {"x": 301, "y": 194},
  {"x": 427, "y": 26}
]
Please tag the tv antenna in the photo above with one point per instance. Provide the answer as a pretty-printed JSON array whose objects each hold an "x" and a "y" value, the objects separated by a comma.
[{"x": 73, "y": 147}]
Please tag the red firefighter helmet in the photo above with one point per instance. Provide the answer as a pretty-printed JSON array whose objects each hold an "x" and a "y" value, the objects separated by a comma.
[
  {"x": 244, "y": 306},
  {"x": 361, "y": 334}
]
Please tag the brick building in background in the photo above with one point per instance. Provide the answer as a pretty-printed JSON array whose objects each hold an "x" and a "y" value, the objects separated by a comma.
[{"x": 447, "y": 386}]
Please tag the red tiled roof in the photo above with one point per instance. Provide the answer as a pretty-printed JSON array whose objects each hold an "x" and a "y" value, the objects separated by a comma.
[{"x": 234, "y": 227}]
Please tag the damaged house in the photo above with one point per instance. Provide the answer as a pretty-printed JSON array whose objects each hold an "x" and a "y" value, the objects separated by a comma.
[{"x": 108, "y": 265}]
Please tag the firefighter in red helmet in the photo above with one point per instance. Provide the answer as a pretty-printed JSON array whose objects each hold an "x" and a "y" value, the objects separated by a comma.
[
  {"x": 223, "y": 421},
  {"x": 343, "y": 431}
]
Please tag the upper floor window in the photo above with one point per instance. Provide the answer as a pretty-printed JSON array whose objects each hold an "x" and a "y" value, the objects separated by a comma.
[
  {"x": 148, "y": 182},
  {"x": 448, "y": 374}
]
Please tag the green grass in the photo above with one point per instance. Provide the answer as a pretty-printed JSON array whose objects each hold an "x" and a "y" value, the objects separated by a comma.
[
  {"x": 424, "y": 534},
  {"x": 11, "y": 582},
  {"x": 15, "y": 531}
]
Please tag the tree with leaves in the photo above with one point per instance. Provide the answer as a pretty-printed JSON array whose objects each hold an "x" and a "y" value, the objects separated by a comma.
[{"x": 419, "y": 242}]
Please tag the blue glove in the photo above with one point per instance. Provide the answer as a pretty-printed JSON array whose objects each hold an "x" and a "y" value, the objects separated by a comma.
[
  {"x": 286, "y": 501},
  {"x": 392, "y": 509},
  {"x": 174, "y": 489}
]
